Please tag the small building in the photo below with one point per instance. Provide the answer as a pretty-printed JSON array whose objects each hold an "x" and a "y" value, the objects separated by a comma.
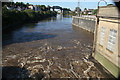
[
  {"x": 31, "y": 7},
  {"x": 106, "y": 49},
  {"x": 90, "y": 11},
  {"x": 36, "y": 8},
  {"x": 10, "y": 7},
  {"x": 59, "y": 11}
]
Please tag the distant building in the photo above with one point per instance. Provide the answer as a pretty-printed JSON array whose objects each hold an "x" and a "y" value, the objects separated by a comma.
[
  {"x": 90, "y": 11},
  {"x": 19, "y": 8},
  {"x": 77, "y": 11},
  {"x": 59, "y": 11},
  {"x": 107, "y": 39},
  {"x": 31, "y": 7},
  {"x": 37, "y": 8},
  {"x": 10, "y": 7}
]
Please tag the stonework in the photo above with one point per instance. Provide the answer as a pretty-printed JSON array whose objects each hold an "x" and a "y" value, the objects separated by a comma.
[
  {"x": 85, "y": 23},
  {"x": 107, "y": 17}
]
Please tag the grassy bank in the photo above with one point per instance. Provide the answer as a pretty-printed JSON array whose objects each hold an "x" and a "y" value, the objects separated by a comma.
[{"x": 12, "y": 18}]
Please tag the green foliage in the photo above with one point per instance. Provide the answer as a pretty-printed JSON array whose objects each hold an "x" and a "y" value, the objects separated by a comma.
[
  {"x": 27, "y": 4},
  {"x": 48, "y": 7},
  {"x": 7, "y": 3},
  {"x": 110, "y": 4},
  {"x": 85, "y": 8},
  {"x": 43, "y": 7},
  {"x": 14, "y": 17},
  {"x": 95, "y": 11},
  {"x": 30, "y": 13},
  {"x": 72, "y": 13},
  {"x": 77, "y": 9},
  {"x": 21, "y": 4}
]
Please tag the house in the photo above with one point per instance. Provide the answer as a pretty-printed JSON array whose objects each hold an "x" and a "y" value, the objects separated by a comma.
[
  {"x": 78, "y": 11},
  {"x": 106, "y": 49},
  {"x": 20, "y": 8},
  {"x": 90, "y": 11},
  {"x": 59, "y": 11},
  {"x": 10, "y": 7},
  {"x": 31, "y": 7},
  {"x": 36, "y": 8}
]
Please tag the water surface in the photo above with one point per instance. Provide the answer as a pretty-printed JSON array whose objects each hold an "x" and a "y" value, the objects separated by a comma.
[
  {"x": 60, "y": 27},
  {"x": 51, "y": 48}
]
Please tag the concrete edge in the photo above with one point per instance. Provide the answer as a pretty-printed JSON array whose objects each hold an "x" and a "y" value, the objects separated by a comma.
[{"x": 112, "y": 68}]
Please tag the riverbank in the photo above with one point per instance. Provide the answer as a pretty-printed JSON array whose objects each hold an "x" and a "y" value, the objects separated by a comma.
[
  {"x": 13, "y": 18},
  {"x": 49, "y": 49}
]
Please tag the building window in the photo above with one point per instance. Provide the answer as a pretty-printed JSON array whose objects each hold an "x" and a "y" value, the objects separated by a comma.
[
  {"x": 111, "y": 39},
  {"x": 102, "y": 36}
]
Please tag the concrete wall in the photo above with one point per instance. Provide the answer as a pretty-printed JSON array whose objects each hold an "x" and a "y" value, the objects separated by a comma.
[
  {"x": 108, "y": 11},
  {"x": 86, "y": 23},
  {"x": 110, "y": 60},
  {"x": 119, "y": 46},
  {"x": 107, "y": 17}
]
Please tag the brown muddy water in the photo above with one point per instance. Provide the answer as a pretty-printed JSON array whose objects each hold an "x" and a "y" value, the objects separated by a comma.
[{"x": 51, "y": 48}]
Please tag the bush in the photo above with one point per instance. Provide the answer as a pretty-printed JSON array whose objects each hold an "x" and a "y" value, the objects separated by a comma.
[
  {"x": 31, "y": 14},
  {"x": 14, "y": 17}
]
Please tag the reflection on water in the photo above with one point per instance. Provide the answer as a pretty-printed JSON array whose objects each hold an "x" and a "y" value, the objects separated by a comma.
[
  {"x": 67, "y": 16},
  {"x": 48, "y": 48},
  {"x": 45, "y": 29}
]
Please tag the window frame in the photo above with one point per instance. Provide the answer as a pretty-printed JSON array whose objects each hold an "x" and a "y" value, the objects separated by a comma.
[
  {"x": 102, "y": 36},
  {"x": 111, "y": 40}
]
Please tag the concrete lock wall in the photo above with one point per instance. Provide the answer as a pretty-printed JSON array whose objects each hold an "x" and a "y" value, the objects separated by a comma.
[{"x": 85, "y": 23}]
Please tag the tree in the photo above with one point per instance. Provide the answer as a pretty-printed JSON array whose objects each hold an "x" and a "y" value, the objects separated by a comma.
[
  {"x": 4, "y": 3},
  {"x": 43, "y": 7},
  {"x": 85, "y": 9},
  {"x": 95, "y": 11},
  {"x": 7, "y": 3},
  {"x": 110, "y": 5},
  {"x": 48, "y": 7},
  {"x": 27, "y": 4},
  {"x": 22, "y": 4},
  {"x": 17, "y": 4},
  {"x": 77, "y": 9}
]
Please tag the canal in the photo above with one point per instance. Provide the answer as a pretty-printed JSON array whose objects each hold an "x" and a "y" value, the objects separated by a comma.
[{"x": 51, "y": 48}]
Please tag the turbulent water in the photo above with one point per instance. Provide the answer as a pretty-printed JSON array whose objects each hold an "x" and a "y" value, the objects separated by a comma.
[{"x": 51, "y": 48}]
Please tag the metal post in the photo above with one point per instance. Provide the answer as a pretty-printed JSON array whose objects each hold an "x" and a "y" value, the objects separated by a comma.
[{"x": 78, "y": 12}]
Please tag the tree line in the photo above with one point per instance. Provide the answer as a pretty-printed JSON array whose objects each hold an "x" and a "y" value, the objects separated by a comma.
[
  {"x": 21, "y": 4},
  {"x": 14, "y": 17}
]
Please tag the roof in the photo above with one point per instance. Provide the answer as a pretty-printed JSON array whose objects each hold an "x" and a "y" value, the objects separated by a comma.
[
  {"x": 108, "y": 11},
  {"x": 90, "y": 9}
]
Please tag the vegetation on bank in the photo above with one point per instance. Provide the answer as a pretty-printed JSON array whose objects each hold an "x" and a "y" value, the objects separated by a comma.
[
  {"x": 95, "y": 11},
  {"x": 12, "y": 18},
  {"x": 72, "y": 13}
]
